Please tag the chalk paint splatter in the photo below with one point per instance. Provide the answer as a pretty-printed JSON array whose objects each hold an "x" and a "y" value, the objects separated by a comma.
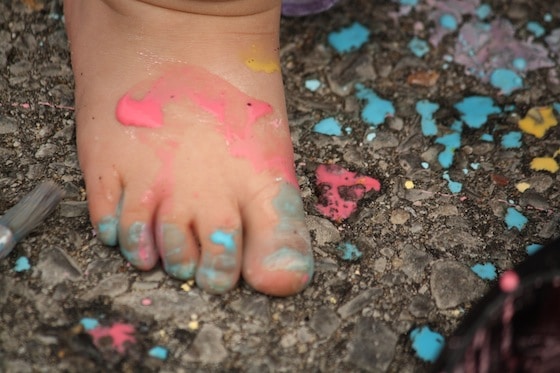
[
  {"x": 22, "y": 264},
  {"x": 533, "y": 248},
  {"x": 512, "y": 140},
  {"x": 454, "y": 186},
  {"x": 426, "y": 343},
  {"x": 376, "y": 108},
  {"x": 476, "y": 109},
  {"x": 538, "y": 121},
  {"x": 452, "y": 142},
  {"x": 426, "y": 109},
  {"x": 328, "y": 126},
  {"x": 349, "y": 251},
  {"x": 349, "y": 38},
  {"x": 418, "y": 47},
  {"x": 120, "y": 334},
  {"x": 89, "y": 323},
  {"x": 159, "y": 352},
  {"x": 312, "y": 84},
  {"x": 515, "y": 219},
  {"x": 506, "y": 80}
]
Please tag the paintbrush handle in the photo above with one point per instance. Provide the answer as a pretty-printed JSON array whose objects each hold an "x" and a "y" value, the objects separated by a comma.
[{"x": 7, "y": 241}]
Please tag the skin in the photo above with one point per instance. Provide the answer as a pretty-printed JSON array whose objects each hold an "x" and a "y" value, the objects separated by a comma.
[{"x": 173, "y": 192}]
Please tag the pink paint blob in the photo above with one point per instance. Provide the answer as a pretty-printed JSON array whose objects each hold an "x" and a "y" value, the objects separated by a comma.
[
  {"x": 509, "y": 281},
  {"x": 146, "y": 112},
  {"x": 119, "y": 333},
  {"x": 341, "y": 190},
  {"x": 146, "y": 302}
]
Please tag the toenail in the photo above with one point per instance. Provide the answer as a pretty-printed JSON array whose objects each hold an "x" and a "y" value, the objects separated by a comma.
[
  {"x": 180, "y": 270},
  {"x": 226, "y": 239},
  {"x": 286, "y": 259},
  {"x": 107, "y": 230},
  {"x": 138, "y": 245},
  {"x": 173, "y": 250},
  {"x": 216, "y": 273}
]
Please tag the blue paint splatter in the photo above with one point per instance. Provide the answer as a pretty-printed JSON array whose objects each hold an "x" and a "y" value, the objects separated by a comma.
[
  {"x": 419, "y": 47},
  {"x": 536, "y": 29},
  {"x": 376, "y": 109},
  {"x": 506, "y": 80},
  {"x": 409, "y": 2},
  {"x": 483, "y": 11},
  {"x": 426, "y": 343},
  {"x": 547, "y": 17},
  {"x": 22, "y": 264},
  {"x": 425, "y": 165},
  {"x": 426, "y": 109},
  {"x": 533, "y": 248},
  {"x": 312, "y": 84},
  {"x": 159, "y": 352},
  {"x": 448, "y": 21},
  {"x": 451, "y": 142},
  {"x": 486, "y": 271},
  {"x": 515, "y": 219},
  {"x": 556, "y": 106},
  {"x": 349, "y": 38},
  {"x": 512, "y": 140},
  {"x": 457, "y": 126},
  {"x": 223, "y": 238},
  {"x": 520, "y": 63},
  {"x": 89, "y": 323},
  {"x": 328, "y": 126},
  {"x": 349, "y": 251},
  {"x": 487, "y": 137},
  {"x": 371, "y": 136},
  {"x": 454, "y": 186},
  {"x": 476, "y": 109},
  {"x": 475, "y": 166}
]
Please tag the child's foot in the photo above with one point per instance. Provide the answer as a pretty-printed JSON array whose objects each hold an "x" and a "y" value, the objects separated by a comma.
[{"x": 183, "y": 139}]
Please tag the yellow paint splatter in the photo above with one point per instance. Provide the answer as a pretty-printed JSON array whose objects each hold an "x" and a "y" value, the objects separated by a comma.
[
  {"x": 409, "y": 184},
  {"x": 261, "y": 59},
  {"x": 545, "y": 164},
  {"x": 538, "y": 120},
  {"x": 522, "y": 186},
  {"x": 265, "y": 66}
]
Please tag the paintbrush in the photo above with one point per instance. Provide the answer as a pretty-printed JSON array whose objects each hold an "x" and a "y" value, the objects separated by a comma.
[{"x": 27, "y": 214}]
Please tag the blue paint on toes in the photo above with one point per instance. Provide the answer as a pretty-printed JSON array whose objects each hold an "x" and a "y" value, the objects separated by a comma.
[
  {"x": 107, "y": 230},
  {"x": 225, "y": 239}
]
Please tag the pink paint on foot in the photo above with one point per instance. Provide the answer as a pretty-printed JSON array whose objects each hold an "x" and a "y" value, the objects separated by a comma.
[
  {"x": 509, "y": 281},
  {"x": 119, "y": 333},
  {"x": 341, "y": 190},
  {"x": 140, "y": 113}
]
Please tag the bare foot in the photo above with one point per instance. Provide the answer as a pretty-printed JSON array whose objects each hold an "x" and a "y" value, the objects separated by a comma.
[{"x": 184, "y": 142}]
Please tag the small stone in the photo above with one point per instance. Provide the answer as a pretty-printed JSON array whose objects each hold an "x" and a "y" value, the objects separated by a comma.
[
  {"x": 56, "y": 266},
  {"x": 357, "y": 303},
  {"x": 46, "y": 151},
  {"x": 111, "y": 286},
  {"x": 73, "y": 209},
  {"x": 421, "y": 306},
  {"x": 254, "y": 306},
  {"x": 325, "y": 232},
  {"x": 452, "y": 284},
  {"x": 534, "y": 199},
  {"x": 207, "y": 347},
  {"x": 399, "y": 216},
  {"x": 324, "y": 322},
  {"x": 288, "y": 340},
  {"x": 372, "y": 346}
]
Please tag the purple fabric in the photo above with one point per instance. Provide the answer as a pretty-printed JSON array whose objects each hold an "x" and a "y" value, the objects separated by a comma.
[{"x": 305, "y": 7}]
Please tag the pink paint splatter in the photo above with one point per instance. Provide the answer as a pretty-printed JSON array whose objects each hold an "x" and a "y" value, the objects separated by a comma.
[
  {"x": 119, "y": 333},
  {"x": 509, "y": 281},
  {"x": 341, "y": 190}
]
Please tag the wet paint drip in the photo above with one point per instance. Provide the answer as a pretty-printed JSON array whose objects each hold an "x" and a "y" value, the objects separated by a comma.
[
  {"x": 224, "y": 239},
  {"x": 486, "y": 271},
  {"x": 426, "y": 343},
  {"x": 349, "y": 38},
  {"x": 120, "y": 334},
  {"x": 376, "y": 108},
  {"x": 538, "y": 121},
  {"x": 341, "y": 190}
]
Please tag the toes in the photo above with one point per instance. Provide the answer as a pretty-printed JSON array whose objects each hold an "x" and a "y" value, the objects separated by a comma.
[
  {"x": 177, "y": 249},
  {"x": 278, "y": 259}
]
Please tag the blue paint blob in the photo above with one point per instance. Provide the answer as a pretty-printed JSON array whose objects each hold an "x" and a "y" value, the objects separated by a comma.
[
  {"x": 556, "y": 106},
  {"x": 533, "y": 248},
  {"x": 512, "y": 140},
  {"x": 312, "y": 84},
  {"x": 349, "y": 251},
  {"x": 107, "y": 230},
  {"x": 223, "y": 238},
  {"x": 349, "y": 38},
  {"x": 475, "y": 166},
  {"x": 419, "y": 47},
  {"x": 483, "y": 11},
  {"x": 486, "y": 271},
  {"x": 22, "y": 264},
  {"x": 457, "y": 126},
  {"x": 371, "y": 136},
  {"x": 536, "y": 29},
  {"x": 328, "y": 126},
  {"x": 376, "y": 108},
  {"x": 476, "y": 109},
  {"x": 454, "y": 186},
  {"x": 426, "y": 109},
  {"x": 159, "y": 352},
  {"x": 515, "y": 219},
  {"x": 408, "y": 2},
  {"x": 487, "y": 137},
  {"x": 448, "y": 21},
  {"x": 425, "y": 165},
  {"x": 506, "y": 80},
  {"x": 451, "y": 142},
  {"x": 89, "y": 323},
  {"x": 547, "y": 17},
  {"x": 509, "y": 108},
  {"x": 520, "y": 63},
  {"x": 426, "y": 343},
  {"x": 465, "y": 171}
]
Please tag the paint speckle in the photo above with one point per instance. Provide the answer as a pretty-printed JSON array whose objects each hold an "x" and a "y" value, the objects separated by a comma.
[
  {"x": 509, "y": 281},
  {"x": 476, "y": 109},
  {"x": 408, "y": 2},
  {"x": 328, "y": 126},
  {"x": 376, "y": 109},
  {"x": 159, "y": 352},
  {"x": 349, "y": 38},
  {"x": 89, "y": 323},
  {"x": 452, "y": 142},
  {"x": 538, "y": 121},
  {"x": 426, "y": 343},
  {"x": 409, "y": 184},
  {"x": 483, "y": 11},
  {"x": 426, "y": 109},
  {"x": 448, "y": 21},
  {"x": 487, "y": 137},
  {"x": 312, "y": 84},
  {"x": 506, "y": 81},
  {"x": 536, "y": 29},
  {"x": 425, "y": 165},
  {"x": 146, "y": 302},
  {"x": 545, "y": 164},
  {"x": 486, "y": 271},
  {"x": 454, "y": 186},
  {"x": 533, "y": 248},
  {"x": 22, "y": 264},
  {"x": 418, "y": 47},
  {"x": 120, "y": 334},
  {"x": 520, "y": 63},
  {"x": 515, "y": 219},
  {"x": 475, "y": 166},
  {"x": 226, "y": 239},
  {"x": 512, "y": 140},
  {"x": 349, "y": 251},
  {"x": 340, "y": 190},
  {"x": 522, "y": 186}
]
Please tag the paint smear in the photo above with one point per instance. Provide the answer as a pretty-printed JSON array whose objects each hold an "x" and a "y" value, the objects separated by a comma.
[
  {"x": 515, "y": 219},
  {"x": 486, "y": 271},
  {"x": 349, "y": 38},
  {"x": 349, "y": 251},
  {"x": 538, "y": 121},
  {"x": 22, "y": 264},
  {"x": 225, "y": 239},
  {"x": 340, "y": 190},
  {"x": 426, "y": 343},
  {"x": 120, "y": 334},
  {"x": 512, "y": 140},
  {"x": 376, "y": 109},
  {"x": 426, "y": 109},
  {"x": 328, "y": 126}
]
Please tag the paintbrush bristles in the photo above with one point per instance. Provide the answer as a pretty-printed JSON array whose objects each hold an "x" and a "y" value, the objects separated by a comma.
[{"x": 32, "y": 209}]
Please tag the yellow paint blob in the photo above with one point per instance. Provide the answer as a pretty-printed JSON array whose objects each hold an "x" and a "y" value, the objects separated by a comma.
[
  {"x": 186, "y": 287},
  {"x": 522, "y": 186},
  {"x": 265, "y": 66},
  {"x": 193, "y": 325},
  {"x": 409, "y": 184},
  {"x": 538, "y": 120},
  {"x": 545, "y": 164},
  {"x": 261, "y": 59}
]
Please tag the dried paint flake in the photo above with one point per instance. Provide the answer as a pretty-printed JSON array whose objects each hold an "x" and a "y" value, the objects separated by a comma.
[
  {"x": 512, "y": 140},
  {"x": 486, "y": 271},
  {"x": 426, "y": 109},
  {"x": 312, "y": 84},
  {"x": 328, "y": 126},
  {"x": 409, "y": 184},
  {"x": 349, "y": 251},
  {"x": 538, "y": 121},
  {"x": 545, "y": 164},
  {"x": 426, "y": 343},
  {"x": 536, "y": 29},
  {"x": 376, "y": 109},
  {"x": 159, "y": 352},
  {"x": 349, "y": 38},
  {"x": 22, "y": 264},
  {"x": 476, "y": 109},
  {"x": 515, "y": 219},
  {"x": 340, "y": 190},
  {"x": 120, "y": 334}
]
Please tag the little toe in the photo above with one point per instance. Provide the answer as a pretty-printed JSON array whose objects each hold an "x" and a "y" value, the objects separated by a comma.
[
  {"x": 177, "y": 249},
  {"x": 278, "y": 259}
]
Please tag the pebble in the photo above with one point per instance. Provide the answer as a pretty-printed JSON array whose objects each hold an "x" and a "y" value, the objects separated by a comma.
[
  {"x": 399, "y": 216},
  {"x": 46, "y": 151},
  {"x": 421, "y": 306},
  {"x": 111, "y": 286},
  {"x": 254, "y": 306},
  {"x": 73, "y": 209},
  {"x": 57, "y": 266},
  {"x": 357, "y": 303},
  {"x": 324, "y": 322},
  {"x": 372, "y": 346},
  {"x": 207, "y": 347},
  {"x": 453, "y": 284},
  {"x": 325, "y": 232}
]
